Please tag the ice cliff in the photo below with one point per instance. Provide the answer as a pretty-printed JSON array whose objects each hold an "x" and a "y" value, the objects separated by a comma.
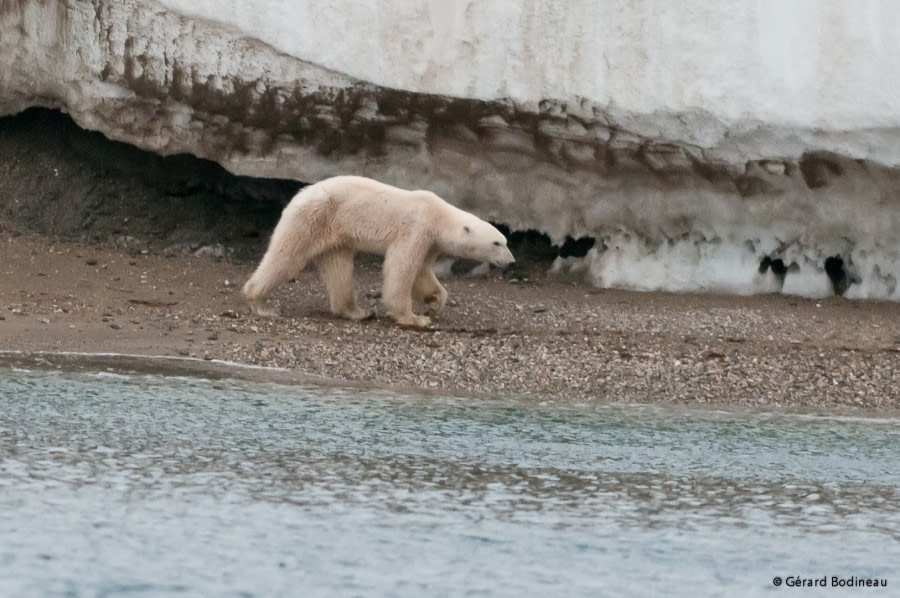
[{"x": 728, "y": 145}]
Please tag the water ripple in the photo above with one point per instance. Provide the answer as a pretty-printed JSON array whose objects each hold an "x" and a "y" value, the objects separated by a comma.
[{"x": 117, "y": 485}]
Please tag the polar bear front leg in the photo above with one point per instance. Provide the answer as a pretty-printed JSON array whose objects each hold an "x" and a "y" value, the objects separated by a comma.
[
  {"x": 402, "y": 263},
  {"x": 430, "y": 290},
  {"x": 336, "y": 269}
]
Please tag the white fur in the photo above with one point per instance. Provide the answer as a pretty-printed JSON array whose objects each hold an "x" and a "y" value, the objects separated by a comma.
[{"x": 330, "y": 221}]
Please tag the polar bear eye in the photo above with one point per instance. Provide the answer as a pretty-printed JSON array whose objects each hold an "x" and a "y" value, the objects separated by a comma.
[
  {"x": 467, "y": 229},
  {"x": 497, "y": 243}
]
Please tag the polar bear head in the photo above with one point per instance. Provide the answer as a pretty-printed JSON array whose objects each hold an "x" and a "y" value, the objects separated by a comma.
[{"x": 470, "y": 237}]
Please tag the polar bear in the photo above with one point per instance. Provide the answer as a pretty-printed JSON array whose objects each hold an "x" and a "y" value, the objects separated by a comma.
[{"x": 330, "y": 221}]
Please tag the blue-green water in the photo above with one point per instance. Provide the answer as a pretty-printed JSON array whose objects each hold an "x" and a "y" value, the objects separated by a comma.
[{"x": 113, "y": 485}]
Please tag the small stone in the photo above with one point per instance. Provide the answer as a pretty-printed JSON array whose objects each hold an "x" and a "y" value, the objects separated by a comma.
[
  {"x": 129, "y": 242},
  {"x": 45, "y": 320},
  {"x": 176, "y": 249},
  {"x": 479, "y": 271},
  {"x": 776, "y": 168},
  {"x": 115, "y": 326},
  {"x": 215, "y": 251}
]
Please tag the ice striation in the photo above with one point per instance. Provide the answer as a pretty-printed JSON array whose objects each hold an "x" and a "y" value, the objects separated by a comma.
[{"x": 729, "y": 146}]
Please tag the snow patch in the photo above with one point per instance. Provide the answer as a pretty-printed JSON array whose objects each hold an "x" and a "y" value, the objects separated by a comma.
[{"x": 743, "y": 267}]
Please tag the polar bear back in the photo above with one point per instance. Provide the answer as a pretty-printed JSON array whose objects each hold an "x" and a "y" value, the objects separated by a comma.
[{"x": 371, "y": 216}]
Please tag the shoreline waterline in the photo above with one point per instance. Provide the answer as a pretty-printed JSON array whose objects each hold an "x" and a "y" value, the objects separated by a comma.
[{"x": 169, "y": 366}]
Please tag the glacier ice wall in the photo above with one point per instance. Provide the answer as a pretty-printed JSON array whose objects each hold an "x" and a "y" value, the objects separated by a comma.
[{"x": 728, "y": 145}]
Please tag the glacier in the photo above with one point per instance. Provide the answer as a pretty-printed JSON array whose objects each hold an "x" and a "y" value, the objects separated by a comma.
[{"x": 738, "y": 146}]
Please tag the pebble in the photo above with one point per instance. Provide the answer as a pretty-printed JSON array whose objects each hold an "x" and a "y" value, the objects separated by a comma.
[{"x": 216, "y": 251}]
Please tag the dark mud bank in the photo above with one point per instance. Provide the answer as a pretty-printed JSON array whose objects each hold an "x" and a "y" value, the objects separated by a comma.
[{"x": 59, "y": 179}]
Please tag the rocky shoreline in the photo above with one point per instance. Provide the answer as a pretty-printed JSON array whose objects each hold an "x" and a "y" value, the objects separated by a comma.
[{"x": 538, "y": 336}]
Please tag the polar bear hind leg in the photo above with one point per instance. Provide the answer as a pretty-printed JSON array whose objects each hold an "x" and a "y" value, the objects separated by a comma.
[
  {"x": 292, "y": 246},
  {"x": 274, "y": 269},
  {"x": 336, "y": 269}
]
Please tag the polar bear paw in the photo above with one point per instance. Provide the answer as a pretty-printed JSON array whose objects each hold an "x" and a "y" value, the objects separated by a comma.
[
  {"x": 357, "y": 314},
  {"x": 413, "y": 320},
  {"x": 434, "y": 303},
  {"x": 266, "y": 310}
]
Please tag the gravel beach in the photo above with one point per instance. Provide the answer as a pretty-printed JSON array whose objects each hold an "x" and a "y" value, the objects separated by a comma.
[{"x": 533, "y": 335}]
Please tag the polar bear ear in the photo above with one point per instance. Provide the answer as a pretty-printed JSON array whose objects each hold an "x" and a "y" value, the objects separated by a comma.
[{"x": 467, "y": 229}]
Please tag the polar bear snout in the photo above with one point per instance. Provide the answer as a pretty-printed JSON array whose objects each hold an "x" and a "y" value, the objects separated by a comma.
[
  {"x": 504, "y": 259},
  {"x": 498, "y": 253}
]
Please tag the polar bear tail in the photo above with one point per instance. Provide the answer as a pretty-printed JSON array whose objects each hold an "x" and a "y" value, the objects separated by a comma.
[{"x": 304, "y": 232}]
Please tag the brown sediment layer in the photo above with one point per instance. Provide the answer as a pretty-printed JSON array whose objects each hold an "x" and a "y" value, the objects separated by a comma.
[{"x": 540, "y": 338}]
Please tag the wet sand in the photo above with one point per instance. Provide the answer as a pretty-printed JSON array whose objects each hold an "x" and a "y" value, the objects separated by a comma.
[{"x": 541, "y": 337}]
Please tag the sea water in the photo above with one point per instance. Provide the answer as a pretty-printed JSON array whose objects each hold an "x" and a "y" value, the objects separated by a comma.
[{"x": 145, "y": 485}]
